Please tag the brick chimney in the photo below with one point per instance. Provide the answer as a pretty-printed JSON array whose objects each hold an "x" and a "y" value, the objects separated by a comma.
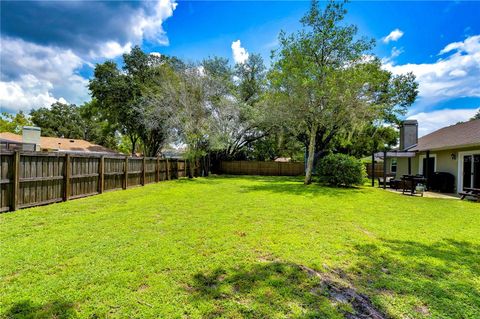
[{"x": 408, "y": 134}]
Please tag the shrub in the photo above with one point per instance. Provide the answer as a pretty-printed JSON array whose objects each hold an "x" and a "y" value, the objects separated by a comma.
[{"x": 341, "y": 170}]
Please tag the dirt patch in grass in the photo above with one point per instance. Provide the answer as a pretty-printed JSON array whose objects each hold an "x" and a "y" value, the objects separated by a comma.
[
  {"x": 284, "y": 288},
  {"x": 341, "y": 291}
]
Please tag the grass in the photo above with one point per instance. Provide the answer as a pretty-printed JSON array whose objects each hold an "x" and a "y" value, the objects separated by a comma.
[{"x": 235, "y": 247}]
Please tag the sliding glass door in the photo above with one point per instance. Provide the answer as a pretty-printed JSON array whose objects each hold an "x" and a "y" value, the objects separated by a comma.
[{"x": 471, "y": 171}]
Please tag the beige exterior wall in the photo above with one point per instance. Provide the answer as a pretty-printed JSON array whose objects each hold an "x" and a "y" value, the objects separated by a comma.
[{"x": 443, "y": 162}]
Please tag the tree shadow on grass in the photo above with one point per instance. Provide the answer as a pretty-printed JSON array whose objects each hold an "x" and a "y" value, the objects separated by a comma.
[
  {"x": 399, "y": 279},
  {"x": 439, "y": 279},
  {"x": 275, "y": 289},
  {"x": 26, "y": 309},
  {"x": 295, "y": 186}
]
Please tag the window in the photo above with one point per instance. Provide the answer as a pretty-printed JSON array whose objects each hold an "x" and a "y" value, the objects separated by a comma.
[{"x": 393, "y": 166}]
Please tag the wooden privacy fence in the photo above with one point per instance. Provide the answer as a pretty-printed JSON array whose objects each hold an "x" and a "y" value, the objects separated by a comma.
[
  {"x": 378, "y": 169},
  {"x": 262, "y": 168},
  {"x": 30, "y": 179}
]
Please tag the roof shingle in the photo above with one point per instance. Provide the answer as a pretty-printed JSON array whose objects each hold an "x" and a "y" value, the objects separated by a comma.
[
  {"x": 456, "y": 136},
  {"x": 61, "y": 144}
]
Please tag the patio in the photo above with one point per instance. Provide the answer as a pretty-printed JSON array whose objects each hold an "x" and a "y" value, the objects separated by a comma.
[{"x": 428, "y": 194}]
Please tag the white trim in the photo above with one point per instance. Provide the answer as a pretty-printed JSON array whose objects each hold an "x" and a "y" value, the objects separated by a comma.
[
  {"x": 420, "y": 162},
  {"x": 460, "y": 157}
]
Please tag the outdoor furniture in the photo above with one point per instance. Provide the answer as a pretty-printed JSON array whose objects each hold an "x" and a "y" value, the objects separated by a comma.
[
  {"x": 388, "y": 179},
  {"x": 442, "y": 182},
  {"x": 472, "y": 192},
  {"x": 410, "y": 183},
  {"x": 396, "y": 184}
]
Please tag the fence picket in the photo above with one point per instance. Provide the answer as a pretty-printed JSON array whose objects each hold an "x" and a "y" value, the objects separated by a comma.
[{"x": 34, "y": 178}]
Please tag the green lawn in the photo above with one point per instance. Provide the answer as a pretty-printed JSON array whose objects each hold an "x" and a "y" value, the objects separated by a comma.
[{"x": 237, "y": 247}]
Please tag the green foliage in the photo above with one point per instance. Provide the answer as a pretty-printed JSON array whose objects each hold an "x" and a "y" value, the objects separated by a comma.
[
  {"x": 476, "y": 116},
  {"x": 278, "y": 143},
  {"x": 13, "y": 123},
  {"x": 70, "y": 121},
  {"x": 251, "y": 78},
  {"x": 98, "y": 129},
  {"x": 341, "y": 170},
  {"x": 362, "y": 143},
  {"x": 232, "y": 247},
  {"x": 323, "y": 84},
  {"x": 60, "y": 120},
  {"x": 134, "y": 99}
]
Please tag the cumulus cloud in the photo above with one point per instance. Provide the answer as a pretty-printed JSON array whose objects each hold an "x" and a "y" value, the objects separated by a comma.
[
  {"x": 455, "y": 75},
  {"x": 110, "y": 50},
  {"x": 432, "y": 121},
  {"x": 33, "y": 76},
  {"x": 240, "y": 55},
  {"x": 88, "y": 27},
  {"x": 147, "y": 23},
  {"x": 393, "y": 36},
  {"x": 45, "y": 44}
]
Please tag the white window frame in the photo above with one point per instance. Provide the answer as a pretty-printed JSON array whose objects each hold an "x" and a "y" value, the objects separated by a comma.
[
  {"x": 460, "y": 157},
  {"x": 420, "y": 162}
]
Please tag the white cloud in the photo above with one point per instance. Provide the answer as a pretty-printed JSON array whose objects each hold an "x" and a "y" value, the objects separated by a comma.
[
  {"x": 36, "y": 75},
  {"x": 393, "y": 36},
  {"x": 33, "y": 76},
  {"x": 147, "y": 24},
  {"x": 432, "y": 121},
  {"x": 457, "y": 75},
  {"x": 110, "y": 50},
  {"x": 395, "y": 52},
  {"x": 240, "y": 55},
  {"x": 451, "y": 47}
]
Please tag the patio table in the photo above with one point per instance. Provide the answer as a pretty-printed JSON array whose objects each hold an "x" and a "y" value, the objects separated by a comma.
[
  {"x": 470, "y": 191},
  {"x": 411, "y": 181}
]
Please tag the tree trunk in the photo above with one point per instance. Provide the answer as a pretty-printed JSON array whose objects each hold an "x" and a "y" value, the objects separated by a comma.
[
  {"x": 311, "y": 155},
  {"x": 133, "y": 140}
]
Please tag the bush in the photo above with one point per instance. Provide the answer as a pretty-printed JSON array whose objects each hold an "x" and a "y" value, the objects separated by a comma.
[{"x": 341, "y": 170}]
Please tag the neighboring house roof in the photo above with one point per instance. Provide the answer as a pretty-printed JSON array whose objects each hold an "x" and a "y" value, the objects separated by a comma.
[
  {"x": 61, "y": 144},
  {"x": 456, "y": 136}
]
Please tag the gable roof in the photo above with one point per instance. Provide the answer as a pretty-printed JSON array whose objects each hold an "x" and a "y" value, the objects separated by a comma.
[
  {"x": 61, "y": 144},
  {"x": 456, "y": 136}
]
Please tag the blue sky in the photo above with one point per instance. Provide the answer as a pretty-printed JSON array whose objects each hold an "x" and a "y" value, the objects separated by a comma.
[{"x": 49, "y": 48}]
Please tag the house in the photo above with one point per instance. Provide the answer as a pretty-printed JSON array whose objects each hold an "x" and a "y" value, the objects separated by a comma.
[
  {"x": 13, "y": 141},
  {"x": 450, "y": 151}
]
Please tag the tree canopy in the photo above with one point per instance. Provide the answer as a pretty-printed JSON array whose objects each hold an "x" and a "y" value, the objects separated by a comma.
[
  {"x": 325, "y": 81},
  {"x": 324, "y": 92}
]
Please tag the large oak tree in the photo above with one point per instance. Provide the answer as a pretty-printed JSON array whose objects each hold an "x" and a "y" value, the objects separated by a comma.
[{"x": 325, "y": 81}]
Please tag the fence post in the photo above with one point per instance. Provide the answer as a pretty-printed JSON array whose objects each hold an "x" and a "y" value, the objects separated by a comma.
[
  {"x": 66, "y": 189},
  {"x": 157, "y": 170},
  {"x": 176, "y": 169},
  {"x": 16, "y": 181},
  {"x": 101, "y": 175},
  {"x": 125, "y": 171},
  {"x": 168, "y": 168},
  {"x": 188, "y": 168},
  {"x": 143, "y": 170}
]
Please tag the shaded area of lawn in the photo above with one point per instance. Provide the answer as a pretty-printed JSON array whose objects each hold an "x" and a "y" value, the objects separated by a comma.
[
  {"x": 55, "y": 309},
  {"x": 241, "y": 247},
  {"x": 440, "y": 280}
]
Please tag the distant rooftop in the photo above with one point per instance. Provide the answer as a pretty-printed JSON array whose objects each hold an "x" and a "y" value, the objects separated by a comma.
[{"x": 61, "y": 144}]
